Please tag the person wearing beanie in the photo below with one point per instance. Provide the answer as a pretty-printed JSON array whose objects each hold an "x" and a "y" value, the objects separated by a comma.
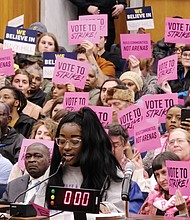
[
  {"x": 133, "y": 81},
  {"x": 119, "y": 97}
]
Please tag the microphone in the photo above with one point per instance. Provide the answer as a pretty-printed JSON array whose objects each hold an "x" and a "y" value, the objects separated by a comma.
[
  {"x": 129, "y": 169},
  {"x": 62, "y": 163}
]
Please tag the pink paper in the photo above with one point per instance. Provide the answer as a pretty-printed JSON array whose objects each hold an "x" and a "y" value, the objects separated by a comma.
[
  {"x": 6, "y": 62},
  {"x": 181, "y": 101},
  {"x": 104, "y": 114},
  {"x": 177, "y": 30},
  {"x": 155, "y": 106},
  {"x": 26, "y": 143},
  {"x": 69, "y": 70},
  {"x": 73, "y": 101},
  {"x": 178, "y": 177},
  {"x": 78, "y": 31},
  {"x": 103, "y": 18},
  {"x": 167, "y": 68},
  {"x": 146, "y": 136},
  {"x": 138, "y": 45},
  {"x": 130, "y": 116},
  {"x": 41, "y": 211}
]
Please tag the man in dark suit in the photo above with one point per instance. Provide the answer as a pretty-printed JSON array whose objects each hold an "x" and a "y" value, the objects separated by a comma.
[{"x": 37, "y": 161}]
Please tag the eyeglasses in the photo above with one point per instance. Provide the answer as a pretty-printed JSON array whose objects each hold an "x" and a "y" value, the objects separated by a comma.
[
  {"x": 73, "y": 142},
  {"x": 186, "y": 55},
  {"x": 178, "y": 140}
]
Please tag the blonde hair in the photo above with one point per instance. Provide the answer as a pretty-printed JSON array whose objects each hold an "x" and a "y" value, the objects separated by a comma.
[
  {"x": 187, "y": 134},
  {"x": 48, "y": 123}
]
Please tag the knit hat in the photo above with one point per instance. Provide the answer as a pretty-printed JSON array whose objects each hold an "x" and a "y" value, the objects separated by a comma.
[
  {"x": 133, "y": 76},
  {"x": 121, "y": 94},
  {"x": 38, "y": 26}
]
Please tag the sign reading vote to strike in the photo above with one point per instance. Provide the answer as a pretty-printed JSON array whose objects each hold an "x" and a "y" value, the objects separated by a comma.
[
  {"x": 28, "y": 142},
  {"x": 167, "y": 68},
  {"x": 73, "y": 101},
  {"x": 20, "y": 40},
  {"x": 103, "y": 18},
  {"x": 6, "y": 62},
  {"x": 130, "y": 116},
  {"x": 136, "y": 44},
  {"x": 139, "y": 17},
  {"x": 177, "y": 30},
  {"x": 178, "y": 177},
  {"x": 69, "y": 70},
  {"x": 155, "y": 106},
  {"x": 49, "y": 59},
  {"x": 104, "y": 114},
  {"x": 146, "y": 137},
  {"x": 78, "y": 31}
]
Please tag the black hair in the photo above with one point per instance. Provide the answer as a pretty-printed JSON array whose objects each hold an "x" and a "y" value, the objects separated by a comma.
[
  {"x": 173, "y": 106},
  {"x": 116, "y": 129},
  {"x": 96, "y": 158},
  {"x": 161, "y": 158},
  {"x": 18, "y": 95},
  {"x": 186, "y": 48}
]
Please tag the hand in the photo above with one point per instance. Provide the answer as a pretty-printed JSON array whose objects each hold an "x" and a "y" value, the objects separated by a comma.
[
  {"x": 70, "y": 87},
  {"x": 166, "y": 86},
  {"x": 93, "y": 10},
  {"x": 134, "y": 64},
  {"x": 118, "y": 9},
  {"x": 88, "y": 46},
  {"x": 180, "y": 203},
  {"x": 104, "y": 209},
  {"x": 137, "y": 160},
  {"x": 185, "y": 124}
]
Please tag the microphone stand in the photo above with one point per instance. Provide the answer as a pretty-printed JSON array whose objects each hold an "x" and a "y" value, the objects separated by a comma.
[
  {"x": 126, "y": 209},
  {"x": 80, "y": 216}
]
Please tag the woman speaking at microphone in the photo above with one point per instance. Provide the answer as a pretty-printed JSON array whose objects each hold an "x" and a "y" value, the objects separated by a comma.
[{"x": 86, "y": 147}]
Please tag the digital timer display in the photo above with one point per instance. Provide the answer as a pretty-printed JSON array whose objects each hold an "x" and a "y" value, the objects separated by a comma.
[{"x": 75, "y": 200}]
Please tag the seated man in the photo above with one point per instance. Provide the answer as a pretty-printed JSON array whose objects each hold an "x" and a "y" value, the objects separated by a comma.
[
  {"x": 119, "y": 138},
  {"x": 10, "y": 140},
  {"x": 37, "y": 161},
  {"x": 120, "y": 146},
  {"x": 5, "y": 169}
]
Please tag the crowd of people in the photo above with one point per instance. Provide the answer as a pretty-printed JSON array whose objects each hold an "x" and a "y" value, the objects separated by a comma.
[{"x": 95, "y": 156}]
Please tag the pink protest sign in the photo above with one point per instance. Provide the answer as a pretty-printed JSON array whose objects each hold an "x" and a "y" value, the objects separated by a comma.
[
  {"x": 146, "y": 137},
  {"x": 177, "y": 30},
  {"x": 103, "y": 18},
  {"x": 69, "y": 70},
  {"x": 130, "y": 116},
  {"x": 155, "y": 106},
  {"x": 181, "y": 101},
  {"x": 167, "y": 68},
  {"x": 28, "y": 142},
  {"x": 73, "y": 101},
  {"x": 135, "y": 44},
  {"x": 178, "y": 177},
  {"x": 104, "y": 114},
  {"x": 6, "y": 62},
  {"x": 78, "y": 31}
]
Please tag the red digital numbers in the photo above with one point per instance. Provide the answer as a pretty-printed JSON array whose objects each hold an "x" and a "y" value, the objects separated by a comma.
[
  {"x": 68, "y": 196},
  {"x": 76, "y": 198}
]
